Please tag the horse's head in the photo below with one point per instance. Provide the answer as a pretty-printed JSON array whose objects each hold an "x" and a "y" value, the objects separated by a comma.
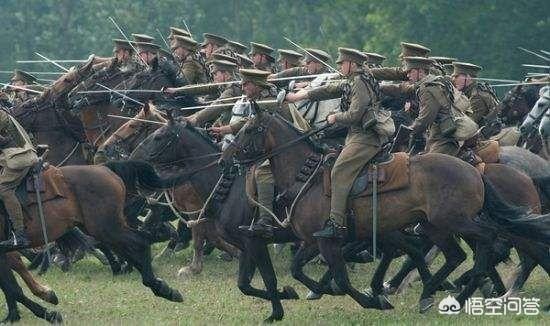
[
  {"x": 518, "y": 102},
  {"x": 173, "y": 142},
  {"x": 254, "y": 139},
  {"x": 544, "y": 127}
]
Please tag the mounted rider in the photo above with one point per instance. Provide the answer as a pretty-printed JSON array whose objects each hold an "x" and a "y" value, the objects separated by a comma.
[
  {"x": 435, "y": 97},
  {"x": 288, "y": 59},
  {"x": 23, "y": 79},
  {"x": 360, "y": 100},
  {"x": 374, "y": 60},
  {"x": 262, "y": 56},
  {"x": 17, "y": 156},
  {"x": 444, "y": 65},
  {"x": 482, "y": 97},
  {"x": 185, "y": 49},
  {"x": 212, "y": 43}
]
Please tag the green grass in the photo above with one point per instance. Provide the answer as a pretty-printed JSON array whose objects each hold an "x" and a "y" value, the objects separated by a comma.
[{"x": 90, "y": 295}]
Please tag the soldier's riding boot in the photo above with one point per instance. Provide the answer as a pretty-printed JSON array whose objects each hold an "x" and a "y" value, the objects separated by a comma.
[
  {"x": 264, "y": 224},
  {"x": 331, "y": 230},
  {"x": 18, "y": 239}
]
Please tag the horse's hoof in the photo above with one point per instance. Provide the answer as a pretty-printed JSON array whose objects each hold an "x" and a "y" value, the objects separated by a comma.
[
  {"x": 12, "y": 317},
  {"x": 487, "y": 288},
  {"x": 388, "y": 288},
  {"x": 272, "y": 318},
  {"x": 51, "y": 297},
  {"x": 175, "y": 296},
  {"x": 384, "y": 303},
  {"x": 53, "y": 317},
  {"x": 313, "y": 296},
  {"x": 290, "y": 293},
  {"x": 425, "y": 304},
  {"x": 225, "y": 256}
]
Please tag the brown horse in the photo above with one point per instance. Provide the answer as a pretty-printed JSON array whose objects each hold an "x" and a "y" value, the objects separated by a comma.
[
  {"x": 87, "y": 186},
  {"x": 47, "y": 118},
  {"x": 445, "y": 195}
]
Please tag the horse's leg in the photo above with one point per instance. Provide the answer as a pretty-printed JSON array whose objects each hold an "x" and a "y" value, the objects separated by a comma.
[
  {"x": 13, "y": 292},
  {"x": 454, "y": 256},
  {"x": 260, "y": 255},
  {"x": 114, "y": 263},
  {"x": 39, "y": 290},
  {"x": 130, "y": 245},
  {"x": 199, "y": 238},
  {"x": 305, "y": 253},
  {"x": 13, "y": 312},
  {"x": 481, "y": 263},
  {"x": 214, "y": 237},
  {"x": 332, "y": 253},
  {"x": 520, "y": 276}
]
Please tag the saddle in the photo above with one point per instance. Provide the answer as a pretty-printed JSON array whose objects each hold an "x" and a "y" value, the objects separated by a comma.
[
  {"x": 51, "y": 183},
  {"x": 393, "y": 174},
  {"x": 483, "y": 152}
]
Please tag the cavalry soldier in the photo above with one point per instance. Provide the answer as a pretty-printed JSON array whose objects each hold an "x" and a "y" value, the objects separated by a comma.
[
  {"x": 262, "y": 56},
  {"x": 360, "y": 99},
  {"x": 237, "y": 48},
  {"x": 374, "y": 60},
  {"x": 177, "y": 31},
  {"x": 212, "y": 43},
  {"x": 144, "y": 38},
  {"x": 482, "y": 98},
  {"x": 17, "y": 156},
  {"x": 185, "y": 50},
  {"x": 315, "y": 62},
  {"x": 434, "y": 97},
  {"x": 440, "y": 63},
  {"x": 123, "y": 57},
  {"x": 289, "y": 59},
  {"x": 147, "y": 52},
  {"x": 397, "y": 73},
  {"x": 23, "y": 79},
  {"x": 221, "y": 56},
  {"x": 223, "y": 71}
]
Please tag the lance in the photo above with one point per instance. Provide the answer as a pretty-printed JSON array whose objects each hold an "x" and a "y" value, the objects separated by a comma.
[
  {"x": 225, "y": 99},
  {"x": 187, "y": 27},
  {"x": 34, "y": 72},
  {"x": 517, "y": 84},
  {"x": 223, "y": 105},
  {"x": 45, "y": 61},
  {"x": 121, "y": 94},
  {"x": 135, "y": 119},
  {"x": 52, "y": 62},
  {"x": 534, "y": 74},
  {"x": 534, "y": 53},
  {"x": 545, "y": 52},
  {"x": 163, "y": 39},
  {"x": 497, "y": 80},
  {"x": 127, "y": 40},
  {"x": 536, "y": 66},
  {"x": 121, "y": 90},
  {"x": 21, "y": 88},
  {"x": 313, "y": 56}
]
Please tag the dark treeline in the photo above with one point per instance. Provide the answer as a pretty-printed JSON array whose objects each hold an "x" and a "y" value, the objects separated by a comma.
[{"x": 485, "y": 32}]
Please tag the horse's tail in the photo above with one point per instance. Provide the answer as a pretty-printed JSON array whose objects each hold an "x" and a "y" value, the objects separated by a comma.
[
  {"x": 140, "y": 173},
  {"x": 507, "y": 218}
]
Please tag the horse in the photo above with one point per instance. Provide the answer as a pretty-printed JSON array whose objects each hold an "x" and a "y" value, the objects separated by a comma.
[
  {"x": 439, "y": 187},
  {"x": 86, "y": 186},
  {"x": 46, "y": 117},
  {"x": 93, "y": 108},
  {"x": 533, "y": 125},
  {"x": 187, "y": 148}
]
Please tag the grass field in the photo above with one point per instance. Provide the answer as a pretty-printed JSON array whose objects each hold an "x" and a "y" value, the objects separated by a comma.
[{"x": 90, "y": 295}]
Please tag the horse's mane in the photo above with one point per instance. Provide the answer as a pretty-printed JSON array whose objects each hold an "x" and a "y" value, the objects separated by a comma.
[
  {"x": 200, "y": 132},
  {"x": 299, "y": 133}
]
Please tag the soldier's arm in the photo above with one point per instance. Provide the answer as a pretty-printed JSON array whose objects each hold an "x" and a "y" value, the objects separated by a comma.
[
  {"x": 326, "y": 92},
  {"x": 237, "y": 125},
  {"x": 387, "y": 73},
  {"x": 360, "y": 102},
  {"x": 196, "y": 90},
  {"x": 429, "y": 106},
  {"x": 479, "y": 108},
  {"x": 291, "y": 72},
  {"x": 213, "y": 112},
  {"x": 401, "y": 90}
]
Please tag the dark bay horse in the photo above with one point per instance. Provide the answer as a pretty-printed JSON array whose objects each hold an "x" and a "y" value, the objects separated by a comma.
[
  {"x": 47, "y": 118},
  {"x": 190, "y": 151},
  {"x": 88, "y": 186},
  {"x": 93, "y": 108},
  {"x": 439, "y": 187}
]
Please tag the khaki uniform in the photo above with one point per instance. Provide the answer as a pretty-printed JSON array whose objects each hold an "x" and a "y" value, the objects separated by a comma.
[
  {"x": 482, "y": 100},
  {"x": 15, "y": 161},
  {"x": 389, "y": 73},
  {"x": 434, "y": 104},
  {"x": 221, "y": 113},
  {"x": 360, "y": 145},
  {"x": 193, "y": 71}
]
